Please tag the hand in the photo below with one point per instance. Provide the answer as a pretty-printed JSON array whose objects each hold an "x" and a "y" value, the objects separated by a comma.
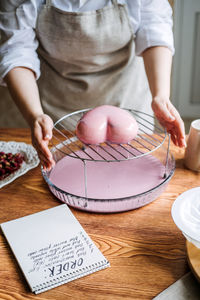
[
  {"x": 41, "y": 131},
  {"x": 169, "y": 118}
]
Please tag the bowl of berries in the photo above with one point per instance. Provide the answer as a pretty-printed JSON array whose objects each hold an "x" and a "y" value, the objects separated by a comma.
[{"x": 15, "y": 160}]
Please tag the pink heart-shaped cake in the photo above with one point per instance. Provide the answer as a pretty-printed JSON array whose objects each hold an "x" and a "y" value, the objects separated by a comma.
[{"x": 107, "y": 123}]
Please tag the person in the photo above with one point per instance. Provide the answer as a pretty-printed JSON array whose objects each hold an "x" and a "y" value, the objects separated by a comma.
[{"x": 61, "y": 56}]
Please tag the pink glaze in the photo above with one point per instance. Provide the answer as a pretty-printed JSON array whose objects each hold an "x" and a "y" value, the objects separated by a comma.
[
  {"x": 108, "y": 180},
  {"x": 107, "y": 123}
]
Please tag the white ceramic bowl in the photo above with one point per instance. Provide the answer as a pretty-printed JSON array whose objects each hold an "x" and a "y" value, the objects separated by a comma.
[{"x": 186, "y": 215}]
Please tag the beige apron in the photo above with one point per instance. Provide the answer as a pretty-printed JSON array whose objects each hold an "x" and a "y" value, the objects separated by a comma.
[{"x": 88, "y": 59}]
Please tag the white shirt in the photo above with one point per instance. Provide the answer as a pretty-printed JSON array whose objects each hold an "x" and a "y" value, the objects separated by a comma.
[{"x": 151, "y": 21}]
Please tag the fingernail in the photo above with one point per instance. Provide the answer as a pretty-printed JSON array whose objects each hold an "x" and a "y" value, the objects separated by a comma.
[{"x": 47, "y": 137}]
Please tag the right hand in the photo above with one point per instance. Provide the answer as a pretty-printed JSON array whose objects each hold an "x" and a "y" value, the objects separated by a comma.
[{"x": 41, "y": 132}]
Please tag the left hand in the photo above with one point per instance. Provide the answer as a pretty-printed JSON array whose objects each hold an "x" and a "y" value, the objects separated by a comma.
[{"x": 169, "y": 118}]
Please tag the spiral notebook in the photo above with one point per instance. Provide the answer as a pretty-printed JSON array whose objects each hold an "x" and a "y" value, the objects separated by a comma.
[{"x": 52, "y": 248}]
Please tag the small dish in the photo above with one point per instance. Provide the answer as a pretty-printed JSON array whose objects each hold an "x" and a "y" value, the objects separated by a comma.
[
  {"x": 29, "y": 153},
  {"x": 186, "y": 215}
]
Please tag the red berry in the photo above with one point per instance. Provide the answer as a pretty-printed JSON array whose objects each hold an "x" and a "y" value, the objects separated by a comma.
[{"x": 9, "y": 163}]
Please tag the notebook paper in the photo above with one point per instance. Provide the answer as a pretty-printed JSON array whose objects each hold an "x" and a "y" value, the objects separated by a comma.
[{"x": 52, "y": 248}]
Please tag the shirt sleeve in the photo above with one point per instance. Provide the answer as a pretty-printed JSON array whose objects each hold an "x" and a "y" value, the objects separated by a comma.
[
  {"x": 18, "y": 41},
  {"x": 155, "y": 26}
]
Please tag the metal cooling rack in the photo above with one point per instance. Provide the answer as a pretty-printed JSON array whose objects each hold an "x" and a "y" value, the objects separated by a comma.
[{"x": 149, "y": 138}]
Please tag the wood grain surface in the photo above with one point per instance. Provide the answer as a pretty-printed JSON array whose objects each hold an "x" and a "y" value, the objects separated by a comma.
[{"x": 146, "y": 250}]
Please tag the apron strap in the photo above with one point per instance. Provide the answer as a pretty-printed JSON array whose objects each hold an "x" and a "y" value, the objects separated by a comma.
[
  {"x": 114, "y": 2},
  {"x": 48, "y": 3}
]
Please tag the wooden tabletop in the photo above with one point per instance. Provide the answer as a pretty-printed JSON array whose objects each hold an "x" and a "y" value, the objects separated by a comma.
[{"x": 146, "y": 250}]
